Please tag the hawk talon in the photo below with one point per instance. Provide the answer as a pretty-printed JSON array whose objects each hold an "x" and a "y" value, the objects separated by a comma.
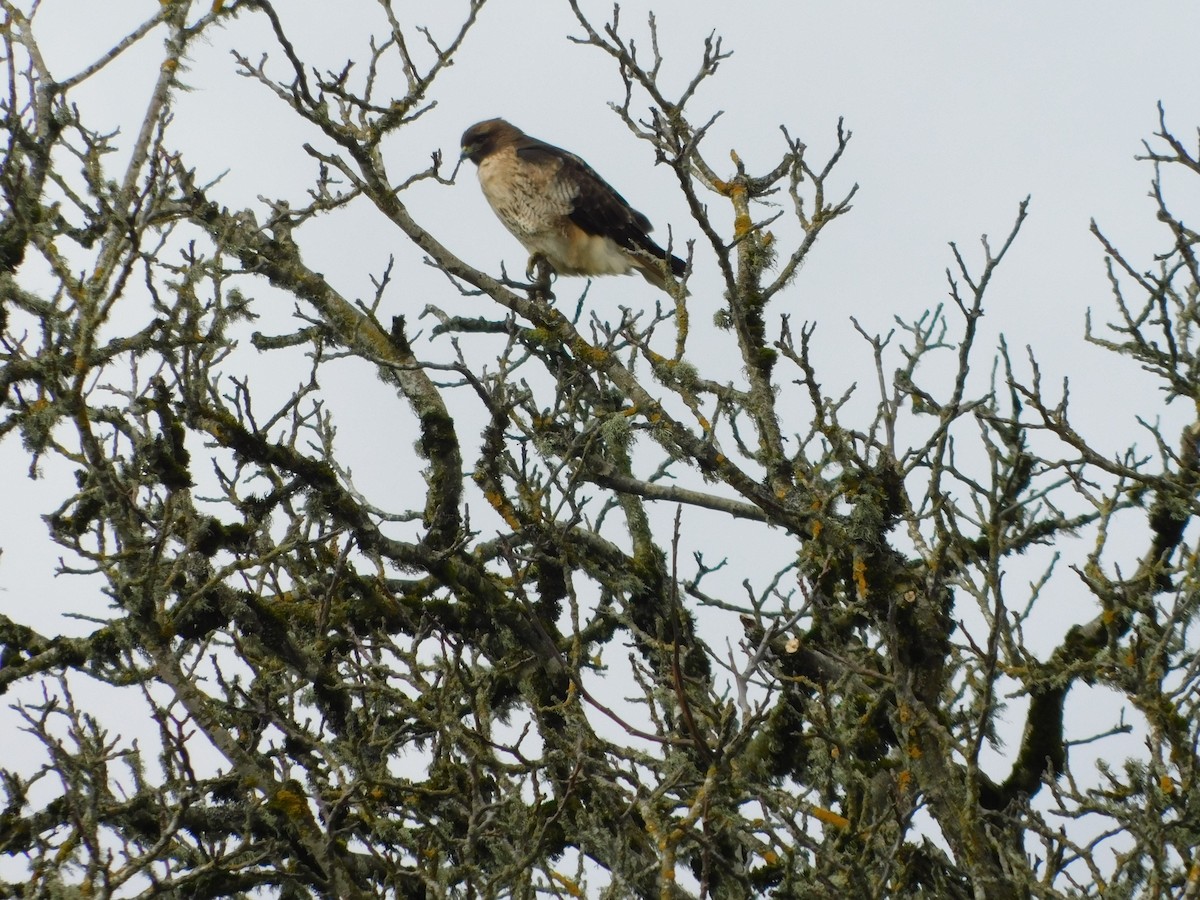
[
  {"x": 539, "y": 271},
  {"x": 531, "y": 266}
]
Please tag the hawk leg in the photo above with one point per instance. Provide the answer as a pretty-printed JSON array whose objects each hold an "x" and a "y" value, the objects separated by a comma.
[{"x": 539, "y": 271}]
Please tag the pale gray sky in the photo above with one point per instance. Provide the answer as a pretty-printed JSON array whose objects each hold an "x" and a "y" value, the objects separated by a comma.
[{"x": 958, "y": 111}]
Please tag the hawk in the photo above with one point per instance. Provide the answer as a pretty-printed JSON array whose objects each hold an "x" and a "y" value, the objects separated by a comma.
[{"x": 561, "y": 210}]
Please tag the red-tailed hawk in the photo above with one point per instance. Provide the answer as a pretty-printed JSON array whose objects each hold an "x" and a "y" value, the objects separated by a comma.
[{"x": 561, "y": 210}]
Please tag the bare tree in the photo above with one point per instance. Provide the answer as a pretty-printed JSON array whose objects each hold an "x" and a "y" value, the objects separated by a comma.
[{"x": 352, "y": 699}]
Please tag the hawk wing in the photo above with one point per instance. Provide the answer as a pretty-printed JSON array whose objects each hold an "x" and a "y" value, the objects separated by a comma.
[{"x": 593, "y": 204}]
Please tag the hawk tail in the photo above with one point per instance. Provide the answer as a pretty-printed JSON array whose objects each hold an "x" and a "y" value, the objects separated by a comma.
[{"x": 653, "y": 264}]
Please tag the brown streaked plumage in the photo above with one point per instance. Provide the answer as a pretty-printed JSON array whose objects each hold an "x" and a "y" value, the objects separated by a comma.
[{"x": 561, "y": 210}]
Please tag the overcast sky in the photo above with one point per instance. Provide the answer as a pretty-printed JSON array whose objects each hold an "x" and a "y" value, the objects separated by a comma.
[{"x": 958, "y": 111}]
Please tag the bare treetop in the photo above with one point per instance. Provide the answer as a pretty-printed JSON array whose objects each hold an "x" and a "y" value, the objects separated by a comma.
[{"x": 614, "y": 623}]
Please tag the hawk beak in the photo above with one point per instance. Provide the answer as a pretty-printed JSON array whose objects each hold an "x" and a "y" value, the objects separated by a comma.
[{"x": 465, "y": 152}]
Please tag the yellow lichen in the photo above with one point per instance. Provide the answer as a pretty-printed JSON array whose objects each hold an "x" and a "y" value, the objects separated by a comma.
[
  {"x": 289, "y": 802},
  {"x": 830, "y": 818},
  {"x": 860, "y": 578},
  {"x": 498, "y": 503},
  {"x": 585, "y": 351},
  {"x": 567, "y": 884}
]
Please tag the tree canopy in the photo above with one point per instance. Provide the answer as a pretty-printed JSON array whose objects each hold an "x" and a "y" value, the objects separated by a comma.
[{"x": 515, "y": 668}]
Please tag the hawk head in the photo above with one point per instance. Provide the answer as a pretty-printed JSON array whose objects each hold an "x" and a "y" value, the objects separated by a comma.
[{"x": 484, "y": 138}]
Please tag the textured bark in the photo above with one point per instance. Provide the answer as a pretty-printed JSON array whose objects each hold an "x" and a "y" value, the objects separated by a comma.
[{"x": 502, "y": 687}]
